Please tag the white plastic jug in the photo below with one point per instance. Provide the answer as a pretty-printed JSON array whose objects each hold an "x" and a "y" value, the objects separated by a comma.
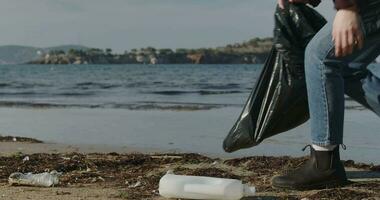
[
  {"x": 198, "y": 187},
  {"x": 44, "y": 179}
]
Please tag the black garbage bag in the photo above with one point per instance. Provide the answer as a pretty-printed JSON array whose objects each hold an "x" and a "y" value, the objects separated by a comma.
[{"x": 278, "y": 102}]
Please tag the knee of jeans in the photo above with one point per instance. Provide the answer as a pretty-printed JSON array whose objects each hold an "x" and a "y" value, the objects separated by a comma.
[
  {"x": 318, "y": 48},
  {"x": 312, "y": 56}
]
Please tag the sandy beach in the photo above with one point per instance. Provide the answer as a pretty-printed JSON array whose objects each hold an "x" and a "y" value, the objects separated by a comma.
[{"x": 94, "y": 172}]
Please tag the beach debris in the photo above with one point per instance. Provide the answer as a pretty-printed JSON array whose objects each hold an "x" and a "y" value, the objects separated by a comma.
[
  {"x": 29, "y": 179},
  {"x": 63, "y": 193},
  {"x": 101, "y": 178},
  {"x": 202, "y": 187},
  {"x": 166, "y": 157},
  {"x": 137, "y": 184},
  {"x": 66, "y": 158},
  {"x": 14, "y": 139},
  {"x": 26, "y": 159},
  {"x": 95, "y": 179}
]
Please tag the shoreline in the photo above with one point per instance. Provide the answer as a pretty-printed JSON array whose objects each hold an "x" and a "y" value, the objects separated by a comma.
[
  {"x": 125, "y": 131},
  {"x": 11, "y": 145},
  {"x": 93, "y": 172}
]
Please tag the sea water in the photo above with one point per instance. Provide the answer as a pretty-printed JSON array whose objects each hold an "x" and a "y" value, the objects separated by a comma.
[
  {"x": 181, "y": 108},
  {"x": 126, "y": 86}
]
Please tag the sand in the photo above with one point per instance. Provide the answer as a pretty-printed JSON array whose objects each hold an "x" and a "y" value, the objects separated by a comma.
[{"x": 99, "y": 173}]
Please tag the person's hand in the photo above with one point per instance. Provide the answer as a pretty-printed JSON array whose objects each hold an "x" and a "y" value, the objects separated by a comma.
[
  {"x": 281, "y": 3},
  {"x": 347, "y": 33}
]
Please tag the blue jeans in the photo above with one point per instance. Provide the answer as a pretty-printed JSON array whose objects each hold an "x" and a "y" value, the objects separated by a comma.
[{"x": 329, "y": 78}]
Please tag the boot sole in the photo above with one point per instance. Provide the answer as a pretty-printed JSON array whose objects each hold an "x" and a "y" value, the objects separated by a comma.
[{"x": 324, "y": 185}]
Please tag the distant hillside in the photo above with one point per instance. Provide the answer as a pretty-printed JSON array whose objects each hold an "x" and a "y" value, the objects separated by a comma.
[
  {"x": 12, "y": 54},
  {"x": 66, "y": 48},
  {"x": 15, "y": 54},
  {"x": 255, "y": 45},
  {"x": 253, "y": 51}
]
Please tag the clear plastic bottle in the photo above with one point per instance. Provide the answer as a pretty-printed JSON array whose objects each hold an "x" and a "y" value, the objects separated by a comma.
[
  {"x": 43, "y": 180},
  {"x": 197, "y": 187}
]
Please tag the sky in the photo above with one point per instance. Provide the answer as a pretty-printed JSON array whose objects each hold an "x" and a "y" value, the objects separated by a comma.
[{"x": 126, "y": 24}]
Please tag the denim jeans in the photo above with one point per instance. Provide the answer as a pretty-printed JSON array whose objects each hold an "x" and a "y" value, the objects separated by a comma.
[{"x": 329, "y": 78}]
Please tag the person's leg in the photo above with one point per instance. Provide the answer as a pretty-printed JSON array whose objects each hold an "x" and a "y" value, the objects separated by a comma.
[
  {"x": 325, "y": 86},
  {"x": 326, "y": 76},
  {"x": 329, "y": 78}
]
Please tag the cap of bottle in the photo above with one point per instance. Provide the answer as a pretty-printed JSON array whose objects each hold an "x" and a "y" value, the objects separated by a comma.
[{"x": 249, "y": 191}]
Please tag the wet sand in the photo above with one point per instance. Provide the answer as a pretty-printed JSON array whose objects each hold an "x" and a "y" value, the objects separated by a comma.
[
  {"x": 176, "y": 131},
  {"x": 125, "y": 175}
]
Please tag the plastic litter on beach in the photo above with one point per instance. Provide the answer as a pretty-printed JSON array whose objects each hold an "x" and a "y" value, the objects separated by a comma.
[
  {"x": 137, "y": 184},
  {"x": 26, "y": 159},
  {"x": 200, "y": 187},
  {"x": 40, "y": 180}
]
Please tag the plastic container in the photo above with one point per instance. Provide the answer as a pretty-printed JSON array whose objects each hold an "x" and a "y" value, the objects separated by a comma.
[
  {"x": 29, "y": 179},
  {"x": 197, "y": 187}
]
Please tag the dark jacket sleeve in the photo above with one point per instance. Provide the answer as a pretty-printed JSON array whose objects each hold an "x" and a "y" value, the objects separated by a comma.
[{"x": 339, "y": 4}]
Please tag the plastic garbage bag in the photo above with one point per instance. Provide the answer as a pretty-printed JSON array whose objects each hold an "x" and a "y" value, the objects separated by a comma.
[{"x": 278, "y": 102}]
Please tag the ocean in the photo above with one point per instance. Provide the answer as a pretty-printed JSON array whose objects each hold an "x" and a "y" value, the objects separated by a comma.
[
  {"x": 180, "y": 108},
  {"x": 126, "y": 86}
]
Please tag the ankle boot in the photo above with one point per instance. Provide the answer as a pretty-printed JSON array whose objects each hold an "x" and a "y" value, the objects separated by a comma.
[{"x": 323, "y": 170}]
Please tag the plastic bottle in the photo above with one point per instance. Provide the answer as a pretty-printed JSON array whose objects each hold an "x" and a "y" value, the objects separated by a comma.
[
  {"x": 197, "y": 187},
  {"x": 43, "y": 180}
]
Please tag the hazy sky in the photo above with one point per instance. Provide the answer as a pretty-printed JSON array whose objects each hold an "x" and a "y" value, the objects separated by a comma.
[{"x": 127, "y": 24}]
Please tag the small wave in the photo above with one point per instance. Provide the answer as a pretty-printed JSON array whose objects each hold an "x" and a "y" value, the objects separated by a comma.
[
  {"x": 95, "y": 85},
  {"x": 32, "y": 93},
  {"x": 200, "y": 92},
  {"x": 139, "y": 84},
  {"x": 75, "y": 94},
  {"x": 174, "y": 107},
  {"x": 21, "y": 85},
  {"x": 217, "y": 86},
  {"x": 28, "y": 85},
  {"x": 4, "y": 85},
  {"x": 158, "y": 82},
  {"x": 18, "y": 93},
  {"x": 129, "y": 106},
  {"x": 29, "y": 104},
  {"x": 23, "y": 104},
  {"x": 171, "y": 92},
  {"x": 203, "y": 92}
]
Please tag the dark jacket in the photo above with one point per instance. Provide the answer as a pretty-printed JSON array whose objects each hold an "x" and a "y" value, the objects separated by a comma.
[{"x": 339, "y": 4}]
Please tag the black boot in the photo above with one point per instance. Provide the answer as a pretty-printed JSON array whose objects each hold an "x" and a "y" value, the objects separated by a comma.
[{"x": 323, "y": 170}]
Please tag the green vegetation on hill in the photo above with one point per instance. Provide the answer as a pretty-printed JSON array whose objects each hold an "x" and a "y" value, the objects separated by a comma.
[{"x": 250, "y": 52}]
